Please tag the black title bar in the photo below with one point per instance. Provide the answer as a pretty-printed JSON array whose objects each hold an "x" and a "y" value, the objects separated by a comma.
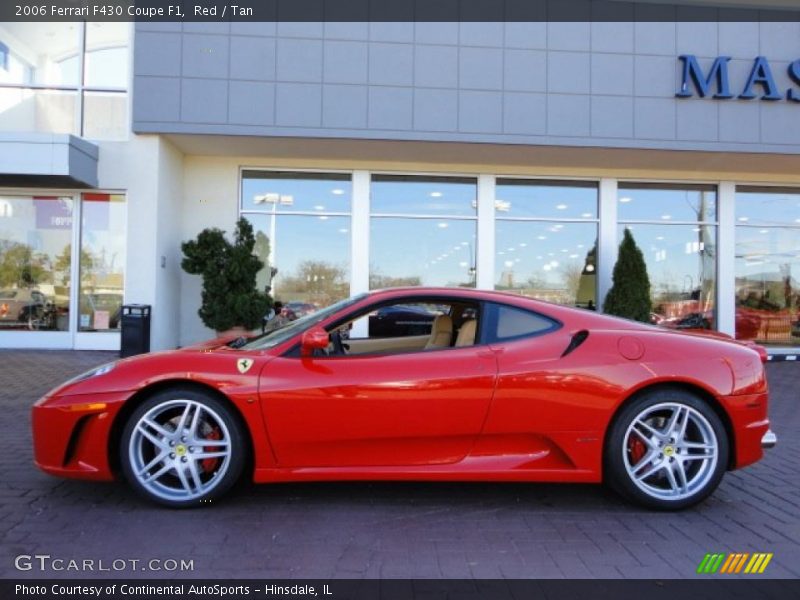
[
  {"x": 730, "y": 588},
  {"x": 396, "y": 10}
]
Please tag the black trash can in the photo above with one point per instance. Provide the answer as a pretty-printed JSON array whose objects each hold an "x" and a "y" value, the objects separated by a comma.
[{"x": 135, "y": 324}]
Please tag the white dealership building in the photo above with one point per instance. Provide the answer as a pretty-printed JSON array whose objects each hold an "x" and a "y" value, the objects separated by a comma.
[{"x": 505, "y": 155}]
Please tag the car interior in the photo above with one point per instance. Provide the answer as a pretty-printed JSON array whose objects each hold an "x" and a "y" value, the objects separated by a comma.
[{"x": 408, "y": 327}]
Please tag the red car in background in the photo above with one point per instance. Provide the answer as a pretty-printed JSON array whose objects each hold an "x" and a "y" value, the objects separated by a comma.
[{"x": 500, "y": 388}]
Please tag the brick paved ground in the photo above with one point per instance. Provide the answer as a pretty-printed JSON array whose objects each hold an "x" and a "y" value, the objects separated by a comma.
[{"x": 390, "y": 530}]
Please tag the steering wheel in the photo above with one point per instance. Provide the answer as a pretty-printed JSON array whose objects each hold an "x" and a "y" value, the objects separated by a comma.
[{"x": 338, "y": 344}]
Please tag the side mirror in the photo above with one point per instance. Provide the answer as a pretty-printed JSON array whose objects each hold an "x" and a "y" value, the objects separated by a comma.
[{"x": 315, "y": 338}]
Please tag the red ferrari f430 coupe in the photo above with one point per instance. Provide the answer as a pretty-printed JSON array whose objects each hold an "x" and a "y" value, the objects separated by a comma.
[{"x": 481, "y": 386}]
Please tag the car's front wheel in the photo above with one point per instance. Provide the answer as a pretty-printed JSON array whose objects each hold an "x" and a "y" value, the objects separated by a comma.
[
  {"x": 668, "y": 449},
  {"x": 182, "y": 447}
]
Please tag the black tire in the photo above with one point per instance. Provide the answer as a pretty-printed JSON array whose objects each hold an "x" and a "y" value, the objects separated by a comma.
[
  {"x": 618, "y": 452},
  {"x": 217, "y": 414}
]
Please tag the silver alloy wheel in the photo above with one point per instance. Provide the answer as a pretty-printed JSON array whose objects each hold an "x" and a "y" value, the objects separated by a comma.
[
  {"x": 678, "y": 451},
  {"x": 180, "y": 450}
]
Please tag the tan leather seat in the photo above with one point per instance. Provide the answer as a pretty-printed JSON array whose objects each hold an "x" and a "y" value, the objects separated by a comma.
[
  {"x": 466, "y": 335},
  {"x": 441, "y": 332}
]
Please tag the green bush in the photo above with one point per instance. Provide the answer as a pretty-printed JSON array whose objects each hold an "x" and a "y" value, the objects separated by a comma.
[
  {"x": 230, "y": 297},
  {"x": 629, "y": 295}
]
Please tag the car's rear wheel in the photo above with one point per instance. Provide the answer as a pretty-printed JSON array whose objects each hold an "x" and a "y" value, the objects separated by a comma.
[
  {"x": 182, "y": 447},
  {"x": 668, "y": 449}
]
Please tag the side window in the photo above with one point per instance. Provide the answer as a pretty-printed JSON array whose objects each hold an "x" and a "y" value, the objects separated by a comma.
[
  {"x": 411, "y": 326},
  {"x": 509, "y": 322},
  {"x": 404, "y": 320}
]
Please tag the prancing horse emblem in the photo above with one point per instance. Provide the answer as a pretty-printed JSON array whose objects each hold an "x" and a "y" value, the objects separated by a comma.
[{"x": 244, "y": 364}]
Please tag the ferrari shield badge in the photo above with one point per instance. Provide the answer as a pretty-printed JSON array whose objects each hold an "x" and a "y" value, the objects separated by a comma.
[{"x": 244, "y": 364}]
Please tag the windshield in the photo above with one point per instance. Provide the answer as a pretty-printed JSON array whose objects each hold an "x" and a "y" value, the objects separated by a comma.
[{"x": 283, "y": 333}]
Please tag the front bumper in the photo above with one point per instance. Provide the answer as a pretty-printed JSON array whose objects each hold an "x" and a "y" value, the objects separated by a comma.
[
  {"x": 71, "y": 435},
  {"x": 769, "y": 440}
]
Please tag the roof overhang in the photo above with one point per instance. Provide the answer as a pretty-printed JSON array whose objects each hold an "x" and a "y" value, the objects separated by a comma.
[{"x": 47, "y": 160}]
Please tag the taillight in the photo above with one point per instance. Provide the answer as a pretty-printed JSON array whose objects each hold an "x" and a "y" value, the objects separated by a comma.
[{"x": 762, "y": 352}]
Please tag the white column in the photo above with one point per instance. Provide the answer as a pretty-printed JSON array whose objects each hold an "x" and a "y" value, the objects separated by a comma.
[
  {"x": 726, "y": 258},
  {"x": 359, "y": 234},
  {"x": 74, "y": 269},
  {"x": 486, "y": 243},
  {"x": 359, "y": 244},
  {"x": 607, "y": 243}
]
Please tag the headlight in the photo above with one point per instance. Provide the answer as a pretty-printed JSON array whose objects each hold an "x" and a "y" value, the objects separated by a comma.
[{"x": 101, "y": 370}]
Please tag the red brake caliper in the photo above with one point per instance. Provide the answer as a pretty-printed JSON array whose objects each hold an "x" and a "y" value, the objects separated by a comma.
[
  {"x": 637, "y": 449},
  {"x": 209, "y": 464}
]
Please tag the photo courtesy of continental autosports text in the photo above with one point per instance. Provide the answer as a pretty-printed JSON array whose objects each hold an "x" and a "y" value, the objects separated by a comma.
[{"x": 360, "y": 299}]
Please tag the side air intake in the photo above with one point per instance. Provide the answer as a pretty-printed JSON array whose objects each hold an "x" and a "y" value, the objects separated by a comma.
[{"x": 577, "y": 339}]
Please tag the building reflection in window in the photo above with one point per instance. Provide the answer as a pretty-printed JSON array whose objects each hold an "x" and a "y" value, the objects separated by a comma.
[
  {"x": 301, "y": 223},
  {"x": 422, "y": 231},
  {"x": 546, "y": 240},
  {"x": 768, "y": 265},
  {"x": 102, "y": 261},
  {"x": 675, "y": 228},
  {"x": 35, "y": 262},
  {"x": 65, "y": 78}
]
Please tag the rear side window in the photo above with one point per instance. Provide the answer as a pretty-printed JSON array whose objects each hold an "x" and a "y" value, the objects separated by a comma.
[{"x": 509, "y": 322}]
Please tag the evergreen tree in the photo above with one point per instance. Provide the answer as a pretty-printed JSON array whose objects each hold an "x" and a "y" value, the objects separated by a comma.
[
  {"x": 230, "y": 297},
  {"x": 629, "y": 295}
]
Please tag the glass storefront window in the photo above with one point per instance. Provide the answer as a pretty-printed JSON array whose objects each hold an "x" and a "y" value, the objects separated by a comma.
[
  {"x": 105, "y": 115},
  {"x": 65, "y": 78},
  {"x": 45, "y": 111},
  {"x": 521, "y": 198},
  {"x": 45, "y": 54},
  {"x": 768, "y": 266},
  {"x": 442, "y": 252},
  {"x": 309, "y": 256},
  {"x": 302, "y": 227},
  {"x": 681, "y": 265},
  {"x": 429, "y": 196},
  {"x": 664, "y": 203},
  {"x": 434, "y": 245},
  {"x": 674, "y": 227},
  {"x": 550, "y": 261},
  {"x": 106, "y": 62},
  {"x": 35, "y": 262},
  {"x": 281, "y": 192},
  {"x": 542, "y": 248},
  {"x": 102, "y": 261}
]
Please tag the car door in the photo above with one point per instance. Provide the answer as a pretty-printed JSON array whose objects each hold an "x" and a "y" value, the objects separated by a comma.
[
  {"x": 549, "y": 400},
  {"x": 402, "y": 409}
]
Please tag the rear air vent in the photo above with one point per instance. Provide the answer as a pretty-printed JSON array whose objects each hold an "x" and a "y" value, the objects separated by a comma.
[{"x": 577, "y": 340}]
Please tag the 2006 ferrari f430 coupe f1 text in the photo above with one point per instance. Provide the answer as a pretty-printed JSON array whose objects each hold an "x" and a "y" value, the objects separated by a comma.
[{"x": 484, "y": 386}]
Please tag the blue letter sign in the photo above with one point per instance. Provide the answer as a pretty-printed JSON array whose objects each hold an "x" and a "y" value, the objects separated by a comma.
[
  {"x": 719, "y": 72},
  {"x": 761, "y": 75},
  {"x": 794, "y": 73}
]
